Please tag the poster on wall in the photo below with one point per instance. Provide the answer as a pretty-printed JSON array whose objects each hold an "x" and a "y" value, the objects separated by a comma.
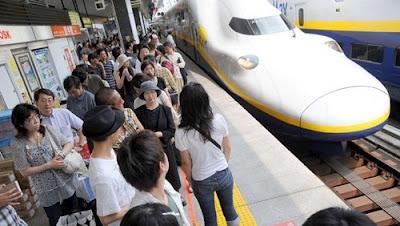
[
  {"x": 19, "y": 82},
  {"x": 29, "y": 73},
  {"x": 69, "y": 60},
  {"x": 47, "y": 72}
]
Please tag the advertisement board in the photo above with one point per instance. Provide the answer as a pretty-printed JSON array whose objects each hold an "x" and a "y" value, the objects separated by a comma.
[{"x": 47, "y": 72}]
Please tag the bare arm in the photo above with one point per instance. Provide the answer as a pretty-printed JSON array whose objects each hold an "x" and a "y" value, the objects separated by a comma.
[
  {"x": 106, "y": 220},
  {"x": 56, "y": 163},
  {"x": 186, "y": 164},
  {"x": 226, "y": 148},
  {"x": 66, "y": 149}
]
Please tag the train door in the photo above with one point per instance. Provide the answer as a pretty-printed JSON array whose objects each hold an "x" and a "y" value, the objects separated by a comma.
[
  {"x": 27, "y": 70},
  {"x": 8, "y": 91}
]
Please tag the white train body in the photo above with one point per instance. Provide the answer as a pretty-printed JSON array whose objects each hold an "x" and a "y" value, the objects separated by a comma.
[{"x": 301, "y": 83}]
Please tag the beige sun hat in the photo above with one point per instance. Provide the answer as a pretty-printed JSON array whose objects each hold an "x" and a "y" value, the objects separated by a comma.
[{"x": 121, "y": 60}]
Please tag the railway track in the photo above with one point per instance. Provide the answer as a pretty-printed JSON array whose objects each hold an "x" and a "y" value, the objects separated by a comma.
[{"x": 366, "y": 177}]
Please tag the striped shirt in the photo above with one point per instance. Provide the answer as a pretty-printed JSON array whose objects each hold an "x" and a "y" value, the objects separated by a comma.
[{"x": 109, "y": 69}]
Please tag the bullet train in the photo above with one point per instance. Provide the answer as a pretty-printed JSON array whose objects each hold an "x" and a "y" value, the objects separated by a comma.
[
  {"x": 299, "y": 85},
  {"x": 367, "y": 30}
]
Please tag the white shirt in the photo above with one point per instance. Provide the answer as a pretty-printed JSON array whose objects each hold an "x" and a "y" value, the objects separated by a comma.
[
  {"x": 111, "y": 190},
  {"x": 170, "y": 39},
  {"x": 143, "y": 197},
  {"x": 138, "y": 66},
  {"x": 207, "y": 159}
]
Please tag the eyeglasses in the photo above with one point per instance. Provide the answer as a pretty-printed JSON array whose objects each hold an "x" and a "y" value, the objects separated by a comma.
[{"x": 32, "y": 118}]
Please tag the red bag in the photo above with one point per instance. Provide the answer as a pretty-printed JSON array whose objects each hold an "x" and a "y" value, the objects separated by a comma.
[
  {"x": 170, "y": 66},
  {"x": 85, "y": 152}
]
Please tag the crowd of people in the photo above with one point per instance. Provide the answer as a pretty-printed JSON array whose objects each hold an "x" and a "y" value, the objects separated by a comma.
[{"x": 142, "y": 121}]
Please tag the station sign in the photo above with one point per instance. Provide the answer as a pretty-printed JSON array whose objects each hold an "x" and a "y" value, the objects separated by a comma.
[
  {"x": 64, "y": 31},
  {"x": 16, "y": 34},
  {"x": 87, "y": 22},
  {"x": 74, "y": 18}
]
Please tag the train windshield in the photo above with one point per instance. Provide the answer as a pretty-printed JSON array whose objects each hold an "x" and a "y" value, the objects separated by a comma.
[{"x": 261, "y": 26}]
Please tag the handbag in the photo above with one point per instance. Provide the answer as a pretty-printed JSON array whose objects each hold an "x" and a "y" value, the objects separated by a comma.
[
  {"x": 77, "y": 219},
  {"x": 173, "y": 95},
  {"x": 84, "y": 189},
  {"x": 73, "y": 161}
]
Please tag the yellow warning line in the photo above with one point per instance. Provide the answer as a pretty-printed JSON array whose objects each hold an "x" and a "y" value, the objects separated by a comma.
[{"x": 243, "y": 210}]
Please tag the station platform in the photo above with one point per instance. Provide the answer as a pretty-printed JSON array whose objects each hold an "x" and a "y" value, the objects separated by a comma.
[{"x": 272, "y": 187}]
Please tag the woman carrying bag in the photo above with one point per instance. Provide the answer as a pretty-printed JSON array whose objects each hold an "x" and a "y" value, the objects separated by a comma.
[
  {"x": 39, "y": 153},
  {"x": 202, "y": 139}
]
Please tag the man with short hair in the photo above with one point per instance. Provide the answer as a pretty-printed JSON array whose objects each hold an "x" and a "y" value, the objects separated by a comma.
[
  {"x": 79, "y": 100},
  {"x": 144, "y": 165},
  {"x": 90, "y": 82},
  {"x": 103, "y": 125},
  {"x": 96, "y": 67},
  {"x": 108, "y": 67},
  {"x": 60, "y": 119}
]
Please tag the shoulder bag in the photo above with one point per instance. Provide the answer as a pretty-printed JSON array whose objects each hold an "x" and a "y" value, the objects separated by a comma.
[{"x": 208, "y": 137}]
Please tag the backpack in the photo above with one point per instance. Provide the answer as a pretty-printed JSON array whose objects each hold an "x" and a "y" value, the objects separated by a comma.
[{"x": 170, "y": 66}]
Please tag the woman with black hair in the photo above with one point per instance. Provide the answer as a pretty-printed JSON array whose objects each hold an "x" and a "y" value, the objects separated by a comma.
[
  {"x": 149, "y": 69},
  {"x": 39, "y": 153},
  {"x": 142, "y": 52},
  {"x": 203, "y": 141}
]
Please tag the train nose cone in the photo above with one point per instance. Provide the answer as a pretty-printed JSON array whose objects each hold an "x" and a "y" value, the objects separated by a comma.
[{"x": 347, "y": 110}]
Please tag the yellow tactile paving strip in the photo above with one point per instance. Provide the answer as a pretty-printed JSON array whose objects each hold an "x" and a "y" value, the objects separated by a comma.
[{"x": 246, "y": 217}]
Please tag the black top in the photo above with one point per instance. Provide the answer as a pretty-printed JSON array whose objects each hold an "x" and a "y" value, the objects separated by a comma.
[
  {"x": 161, "y": 83},
  {"x": 127, "y": 88},
  {"x": 158, "y": 119}
]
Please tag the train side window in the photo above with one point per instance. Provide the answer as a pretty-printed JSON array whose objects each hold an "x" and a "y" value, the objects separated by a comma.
[
  {"x": 372, "y": 53},
  {"x": 375, "y": 53},
  {"x": 301, "y": 17},
  {"x": 397, "y": 57},
  {"x": 359, "y": 51}
]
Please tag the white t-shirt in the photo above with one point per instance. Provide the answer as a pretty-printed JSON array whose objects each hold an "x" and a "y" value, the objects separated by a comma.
[
  {"x": 111, "y": 190},
  {"x": 207, "y": 159}
]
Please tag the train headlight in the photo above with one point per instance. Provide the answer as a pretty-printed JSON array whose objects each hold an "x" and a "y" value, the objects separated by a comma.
[
  {"x": 248, "y": 62},
  {"x": 334, "y": 45}
]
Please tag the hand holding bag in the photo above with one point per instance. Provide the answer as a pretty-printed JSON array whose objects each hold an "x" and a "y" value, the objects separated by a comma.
[{"x": 73, "y": 161}]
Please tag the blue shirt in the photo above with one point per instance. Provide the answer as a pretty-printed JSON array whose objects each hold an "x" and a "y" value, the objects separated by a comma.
[
  {"x": 63, "y": 121},
  {"x": 79, "y": 106}
]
